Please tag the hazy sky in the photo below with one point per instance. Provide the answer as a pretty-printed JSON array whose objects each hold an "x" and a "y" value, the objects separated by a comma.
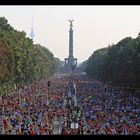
[{"x": 94, "y": 26}]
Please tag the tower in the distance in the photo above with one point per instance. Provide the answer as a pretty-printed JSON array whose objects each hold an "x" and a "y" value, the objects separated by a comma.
[
  {"x": 32, "y": 30},
  {"x": 70, "y": 60}
]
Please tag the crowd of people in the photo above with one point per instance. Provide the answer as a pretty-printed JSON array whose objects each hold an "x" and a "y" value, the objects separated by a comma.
[
  {"x": 73, "y": 117},
  {"x": 31, "y": 110},
  {"x": 100, "y": 109},
  {"x": 108, "y": 110}
]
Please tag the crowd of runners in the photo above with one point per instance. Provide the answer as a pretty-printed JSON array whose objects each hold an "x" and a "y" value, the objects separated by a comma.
[
  {"x": 108, "y": 110},
  {"x": 99, "y": 109},
  {"x": 31, "y": 110}
]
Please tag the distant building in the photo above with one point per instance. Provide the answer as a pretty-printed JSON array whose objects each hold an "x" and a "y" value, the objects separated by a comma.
[{"x": 32, "y": 30}]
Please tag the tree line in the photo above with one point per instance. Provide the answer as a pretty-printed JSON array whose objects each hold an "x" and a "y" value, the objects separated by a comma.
[
  {"x": 118, "y": 63},
  {"x": 21, "y": 61}
]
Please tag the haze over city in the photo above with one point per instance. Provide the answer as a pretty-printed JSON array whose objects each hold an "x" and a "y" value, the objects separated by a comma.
[{"x": 94, "y": 26}]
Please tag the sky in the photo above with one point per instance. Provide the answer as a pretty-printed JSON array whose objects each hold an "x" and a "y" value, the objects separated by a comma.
[{"x": 94, "y": 27}]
